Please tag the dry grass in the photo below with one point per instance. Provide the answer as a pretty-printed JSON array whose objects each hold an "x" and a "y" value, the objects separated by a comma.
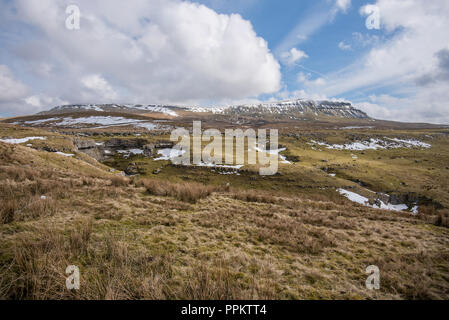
[
  {"x": 119, "y": 181},
  {"x": 254, "y": 196},
  {"x": 186, "y": 191},
  {"x": 154, "y": 239}
]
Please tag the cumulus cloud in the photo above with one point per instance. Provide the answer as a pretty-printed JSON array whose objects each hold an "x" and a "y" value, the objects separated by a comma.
[
  {"x": 343, "y": 5},
  {"x": 414, "y": 49},
  {"x": 99, "y": 88},
  {"x": 40, "y": 102},
  {"x": 10, "y": 88},
  {"x": 293, "y": 56},
  {"x": 426, "y": 106},
  {"x": 154, "y": 51},
  {"x": 440, "y": 72}
]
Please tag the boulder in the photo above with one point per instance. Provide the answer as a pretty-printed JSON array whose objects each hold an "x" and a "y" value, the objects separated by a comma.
[
  {"x": 133, "y": 169},
  {"x": 125, "y": 143},
  {"x": 89, "y": 147},
  {"x": 81, "y": 144},
  {"x": 149, "y": 150},
  {"x": 96, "y": 153},
  {"x": 292, "y": 158},
  {"x": 164, "y": 145}
]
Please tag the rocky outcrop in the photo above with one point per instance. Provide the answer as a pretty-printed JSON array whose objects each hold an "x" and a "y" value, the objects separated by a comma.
[
  {"x": 125, "y": 143},
  {"x": 288, "y": 107},
  {"x": 89, "y": 147},
  {"x": 134, "y": 169},
  {"x": 292, "y": 158},
  {"x": 164, "y": 145},
  {"x": 82, "y": 144},
  {"x": 149, "y": 150}
]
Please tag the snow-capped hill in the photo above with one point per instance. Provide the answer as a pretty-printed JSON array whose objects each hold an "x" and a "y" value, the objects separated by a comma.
[
  {"x": 288, "y": 107},
  {"x": 124, "y": 108}
]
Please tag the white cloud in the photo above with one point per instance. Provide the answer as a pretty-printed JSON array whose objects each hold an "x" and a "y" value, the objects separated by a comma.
[
  {"x": 343, "y": 46},
  {"x": 319, "y": 82},
  {"x": 10, "y": 88},
  {"x": 417, "y": 32},
  {"x": 300, "y": 94},
  {"x": 303, "y": 77},
  {"x": 42, "y": 102},
  {"x": 99, "y": 88},
  {"x": 343, "y": 5},
  {"x": 34, "y": 101},
  {"x": 293, "y": 56},
  {"x": 166, "y": 51},
  {"x": 364, "y": 40}
]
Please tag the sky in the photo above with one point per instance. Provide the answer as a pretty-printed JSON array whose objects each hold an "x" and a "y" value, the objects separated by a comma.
[{"x": 390, "y": 58}]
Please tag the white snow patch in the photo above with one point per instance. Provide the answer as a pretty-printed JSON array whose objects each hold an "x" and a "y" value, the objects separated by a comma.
[
  {"x": 273, "y": 152},
  {"x": 357, "y": 127},
  {"x": 131, "y": 151},
  {"x": 411, "y": 142},
  {"x": 35, "y": 122},
  {"x": 355, "y": 197},
  {"x": 102, "y": 120},
  {"x": 213, "y": 165},
  {"x": 147, "y": 125},
  {"x": 168, "y": 154},
  {"x": 22, "y": 140},
  {"x": 155, "y": 108},
  {"x": 65, "y": 154},
  {"x": 374, "y": 144}
]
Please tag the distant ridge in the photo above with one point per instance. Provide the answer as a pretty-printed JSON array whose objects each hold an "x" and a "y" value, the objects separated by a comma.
[{"x": 286, "y": 107}]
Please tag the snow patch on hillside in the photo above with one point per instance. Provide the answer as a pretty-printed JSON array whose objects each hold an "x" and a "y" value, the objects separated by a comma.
[
  {"x": 169, "y": 154},
  {"x": 22, "y": 140},
  {"x": 357, "y": 198},
  {"x": 94, "y": 120},
  {"x": 374, "y": 144}
]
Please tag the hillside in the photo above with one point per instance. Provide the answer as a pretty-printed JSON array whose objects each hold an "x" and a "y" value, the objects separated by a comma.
[
  {"x": 287, "y": 108},
  {"x": 137, "y": 238},
  {"x": 97, "y": 189}
]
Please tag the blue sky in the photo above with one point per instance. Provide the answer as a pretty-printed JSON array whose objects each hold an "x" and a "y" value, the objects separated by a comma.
[
  {"x": 211, "y": 52},
  {"x": 275, "y": 20}
]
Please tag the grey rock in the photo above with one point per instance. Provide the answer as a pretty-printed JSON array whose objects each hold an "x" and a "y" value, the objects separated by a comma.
[
  {"x": 149, "y": 150},
  {"x": 81, "y": 144}
]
